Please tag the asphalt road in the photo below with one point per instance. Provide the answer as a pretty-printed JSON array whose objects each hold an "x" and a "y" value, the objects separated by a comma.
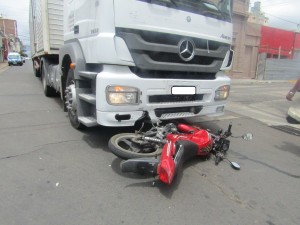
[
  {"x": 51, "y": 173},
  {"x": 263, "y": 100}
]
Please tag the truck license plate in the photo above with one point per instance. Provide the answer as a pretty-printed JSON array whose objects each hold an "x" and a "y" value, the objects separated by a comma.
[{"x": 176, "y": 90}]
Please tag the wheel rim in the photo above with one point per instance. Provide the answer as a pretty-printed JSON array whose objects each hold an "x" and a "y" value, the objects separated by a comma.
[
  {"x": 133, "y": 144},
  {"x": 70, "y": 94}
]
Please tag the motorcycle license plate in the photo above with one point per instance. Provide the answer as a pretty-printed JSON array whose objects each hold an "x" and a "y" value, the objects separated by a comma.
[{"x": 177, "y": 90}]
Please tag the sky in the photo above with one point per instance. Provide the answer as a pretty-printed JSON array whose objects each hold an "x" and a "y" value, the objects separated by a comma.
[
  {"x": 17, "y": 10},
  {"x": 283, "y": 14}
]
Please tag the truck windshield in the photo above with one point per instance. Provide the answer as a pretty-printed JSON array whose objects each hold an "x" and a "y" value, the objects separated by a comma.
[{"x": 219, "y": 9}]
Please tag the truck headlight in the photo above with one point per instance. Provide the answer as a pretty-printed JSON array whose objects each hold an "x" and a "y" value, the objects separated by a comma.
[
  {"x": 222, "y": 93},
  {"x": 122, "y": 95}
]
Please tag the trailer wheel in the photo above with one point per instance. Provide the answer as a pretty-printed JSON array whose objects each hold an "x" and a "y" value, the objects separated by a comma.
[
  {"x": 37, "y": 73},
  {"x": 71, "y": 101},
  {"x": 48, "y": 90}
]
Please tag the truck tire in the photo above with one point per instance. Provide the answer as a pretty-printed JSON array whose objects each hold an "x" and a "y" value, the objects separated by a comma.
[
  {"x": 71, "y": 101},
  {"x": 48, "y": 90},
  {"x": 36, "y": 72}
]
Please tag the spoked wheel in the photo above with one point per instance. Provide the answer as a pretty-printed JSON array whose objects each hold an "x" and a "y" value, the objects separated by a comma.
[
  {"x": 71, "y": 101},
  {"x": 129, "y": 146}
]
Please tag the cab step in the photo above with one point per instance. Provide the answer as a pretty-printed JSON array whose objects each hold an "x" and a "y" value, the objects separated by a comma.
[
  {"x": 88, "y": 121},
  {"x": 90, "y": 98},
  {"x": 87, "y": 74}
]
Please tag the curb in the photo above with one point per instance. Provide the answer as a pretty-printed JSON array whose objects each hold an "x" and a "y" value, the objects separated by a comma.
[{"x": 294, "y": 112}]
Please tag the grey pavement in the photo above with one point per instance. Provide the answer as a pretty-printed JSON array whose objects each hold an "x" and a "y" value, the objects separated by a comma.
[
  {"x": 53, "y": 174},
  {"x": 2, "y": 64},
  {"x": 265, "y": 101}
]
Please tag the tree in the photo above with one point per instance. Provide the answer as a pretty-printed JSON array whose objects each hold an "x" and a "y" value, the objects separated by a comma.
[{"x": 22, "y": 53}]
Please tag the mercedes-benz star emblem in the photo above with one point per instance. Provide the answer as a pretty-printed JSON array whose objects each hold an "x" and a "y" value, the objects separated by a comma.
[{"x": 186, "y": 49}]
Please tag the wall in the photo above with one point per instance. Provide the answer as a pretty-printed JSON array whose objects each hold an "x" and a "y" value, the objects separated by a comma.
[
  {"x": 277, "y": 69},
  {"x": 277, "y": 43},
  {"x": 5, "y": 47},
  {"x": 246, "y": 38},
  {"x": 297, "y": 41},
  {"x": 247, "y": 45},
  {"x": 1, "y": 50}
]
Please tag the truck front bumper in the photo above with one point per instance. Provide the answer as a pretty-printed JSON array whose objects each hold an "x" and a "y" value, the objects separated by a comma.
[{"x": 164, "y": 107}]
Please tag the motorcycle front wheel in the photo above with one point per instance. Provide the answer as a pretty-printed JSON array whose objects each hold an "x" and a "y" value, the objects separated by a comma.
[{"x": 130, "y": 146}]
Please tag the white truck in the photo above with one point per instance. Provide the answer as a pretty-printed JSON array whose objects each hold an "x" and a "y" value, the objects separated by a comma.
[{"x": 114, "y": 62}]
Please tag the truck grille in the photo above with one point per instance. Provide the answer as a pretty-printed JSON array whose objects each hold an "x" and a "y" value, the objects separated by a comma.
[
  {"x": 162, "y": 74},
  {"x": 163, "y": 112},
  {"x": 174, "y": 98},
  {"x": 154, "y": 51}
]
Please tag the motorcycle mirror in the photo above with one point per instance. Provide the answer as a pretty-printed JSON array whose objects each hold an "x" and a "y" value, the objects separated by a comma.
[
  {"x": 235, "y": 165},
  {"x": 247, "y": 136}
]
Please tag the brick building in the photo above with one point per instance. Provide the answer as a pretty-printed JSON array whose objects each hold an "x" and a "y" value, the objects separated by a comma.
[
  {"x": 9, "y": 37},
  {"x": 9, "y": 27}
]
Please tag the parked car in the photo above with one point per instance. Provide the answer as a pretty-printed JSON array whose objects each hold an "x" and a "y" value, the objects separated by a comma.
[{"x": 14, "y": 58}]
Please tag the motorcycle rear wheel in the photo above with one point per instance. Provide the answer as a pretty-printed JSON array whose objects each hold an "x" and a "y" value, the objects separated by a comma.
[{"x": 127, "y": 146}]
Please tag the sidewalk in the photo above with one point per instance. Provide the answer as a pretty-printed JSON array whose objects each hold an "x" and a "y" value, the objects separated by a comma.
[
  {"x": 293, "y": 111},
  {"x": 253, "y": 81},
  {"x": 3, "y": 65}
]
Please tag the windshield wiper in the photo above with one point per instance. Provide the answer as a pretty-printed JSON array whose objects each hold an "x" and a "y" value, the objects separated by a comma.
[
  {"x": 214, "y": 13},
  {"x": 173, "y": 2},
  {"x": 212, "y": 9}
]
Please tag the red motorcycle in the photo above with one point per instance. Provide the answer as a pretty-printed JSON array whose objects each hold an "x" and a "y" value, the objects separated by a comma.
[{"x": 163, "y": 149}]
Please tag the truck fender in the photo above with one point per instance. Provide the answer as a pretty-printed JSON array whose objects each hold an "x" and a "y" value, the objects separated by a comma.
[{"x": 71, "y": 52}]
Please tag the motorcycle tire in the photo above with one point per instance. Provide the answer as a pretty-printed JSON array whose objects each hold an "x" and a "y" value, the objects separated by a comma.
[{"x": 122, "y": 146}]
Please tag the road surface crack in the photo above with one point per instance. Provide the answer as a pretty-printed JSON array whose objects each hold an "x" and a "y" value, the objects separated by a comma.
[{"x": 39, "y": 147}]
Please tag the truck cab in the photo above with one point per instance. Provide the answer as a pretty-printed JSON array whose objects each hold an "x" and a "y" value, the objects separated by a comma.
[{"x": 121, "y": 60}]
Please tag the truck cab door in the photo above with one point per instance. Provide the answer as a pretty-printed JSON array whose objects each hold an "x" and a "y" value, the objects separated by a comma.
[{"x": 79, "y": 16}]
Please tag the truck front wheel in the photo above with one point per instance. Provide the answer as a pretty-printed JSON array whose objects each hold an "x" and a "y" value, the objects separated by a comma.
[{"x": 71, "y": 101}]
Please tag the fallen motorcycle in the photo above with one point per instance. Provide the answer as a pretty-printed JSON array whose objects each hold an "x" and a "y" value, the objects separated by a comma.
[{"x": 163, "y": 149}]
